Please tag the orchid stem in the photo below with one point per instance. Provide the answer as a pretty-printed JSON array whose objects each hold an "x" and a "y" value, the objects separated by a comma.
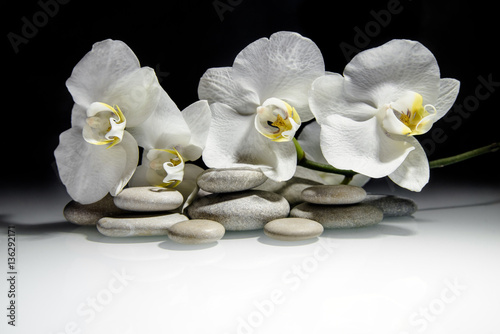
[{"x": 464, "y": 156}]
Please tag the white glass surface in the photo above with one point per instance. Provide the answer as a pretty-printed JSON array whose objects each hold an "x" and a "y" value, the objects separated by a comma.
[{"x": 435, "y": 272}]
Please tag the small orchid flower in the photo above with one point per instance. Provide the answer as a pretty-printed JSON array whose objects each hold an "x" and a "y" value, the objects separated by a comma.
[
  {"x": 112, "y": 94},
  {"x": 370, "y": 116},
  {"x": 259, "y": 103},
  {"x": 170, "y": 138}
]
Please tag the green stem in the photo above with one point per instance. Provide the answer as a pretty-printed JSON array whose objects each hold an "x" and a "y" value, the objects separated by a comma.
[{"x": 464, "y": 156}]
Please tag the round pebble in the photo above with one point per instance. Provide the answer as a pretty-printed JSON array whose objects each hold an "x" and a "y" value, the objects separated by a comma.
[
  {"x": 339, "y": 216},
  {"x": 196, "y": 231},
  {"x": 148, "y": 199},
  {"x": 293, "y": 229},
  {"x": 224, "y": 180},
  {"x": 333, "y": 194},
  {"x": 138, "y": 226},
  {"x": 240, "y": 211},
  {"x": 392, "y": 206},
  {"x": 89, "y": 214}
]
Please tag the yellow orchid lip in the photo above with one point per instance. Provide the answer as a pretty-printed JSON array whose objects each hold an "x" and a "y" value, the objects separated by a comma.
[
  {"x": 104, "y": 124},
  {"x": 167, "y": 164},
  {"x": 277, "y": 120},
  {"x": 408, "y": 115}
]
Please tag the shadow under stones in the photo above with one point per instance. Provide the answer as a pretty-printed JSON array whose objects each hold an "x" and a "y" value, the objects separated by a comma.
[
  {"x": 280, "y": 243},
  {"x": 381, "y": 229},
  {"x": 175, "y": 246}
]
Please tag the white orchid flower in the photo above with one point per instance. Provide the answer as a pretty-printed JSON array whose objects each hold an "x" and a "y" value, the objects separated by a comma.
[
  {"x": 370, "y": 115},
  {"x": 112, "y": 94},
  {"x": 259, "y": 103},
  {"x": 170, "y": 138}
]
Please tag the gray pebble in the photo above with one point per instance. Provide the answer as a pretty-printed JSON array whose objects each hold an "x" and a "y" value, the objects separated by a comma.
[
  {"x": 89, "y": 214},
  {"x": 147, "y": 199},
  {"x": 196, "y": 231},
  {"x": 293, "y": 229},
  {"x": 225, "y": 180},
  {"x": 292, "y": 189},
  {"x": 392, "y": 206},
  {"x": 240, "y": 211},
  {"x": 333, "y": 194},
  {"x": 339, "y": 216},
  {"x": 129, "y": 226}
]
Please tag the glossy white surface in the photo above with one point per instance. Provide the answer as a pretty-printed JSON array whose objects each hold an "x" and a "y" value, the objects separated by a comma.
[{"x": 435, "y": 272}]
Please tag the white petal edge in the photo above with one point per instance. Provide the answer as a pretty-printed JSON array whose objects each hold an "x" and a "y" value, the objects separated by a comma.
[
  {"x": 107, "y": 61},
  {"x": 413, "y": 173},
  {"x": 361, "y": 146}
]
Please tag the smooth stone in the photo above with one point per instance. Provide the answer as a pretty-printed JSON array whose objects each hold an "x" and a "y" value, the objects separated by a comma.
[
  {"x": 240, "y": 211},
  {"x": 392, "y": 206},
  {"x": 148, "y": 199},
  {"x": 293, "y": 229},
  {"x": 292, "y": 189},
  {"x": 128, "y": 226},
  {"x": 333, "y": 194},
  {"x": 225, "y": 180},
  {"x": 196, "y": 231},
  {"x": 339, "y": 216},
  {"x": 89, "y": 214}
]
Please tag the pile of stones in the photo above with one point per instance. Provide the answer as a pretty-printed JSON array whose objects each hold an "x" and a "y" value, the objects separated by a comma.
[{"x": 238, "y": 199}]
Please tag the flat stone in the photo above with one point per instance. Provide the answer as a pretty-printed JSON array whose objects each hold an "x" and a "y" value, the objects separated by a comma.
[
  {"x": 293, "y": 229},
  {"x": 292, "y": 189},
  {"x": 240, "y": 211},
  {"x": 225, "y": 180},
  {"x": 147, "y": 199},
  {"x": 333, "y": 194},
  {"x": 339, "y": 216},
  {"x": 392, "y": 206},
  {"x": 133, "y": 226},
  {"x": 89, "y": 214},
  {"x": 196, "y": 231}
]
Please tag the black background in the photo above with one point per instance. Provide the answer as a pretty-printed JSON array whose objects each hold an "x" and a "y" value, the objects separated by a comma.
[{"x": 181, "y": 39}]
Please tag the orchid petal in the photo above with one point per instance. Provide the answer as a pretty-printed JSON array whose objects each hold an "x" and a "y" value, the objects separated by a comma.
[
  {"x": 361, "y": 146},
  {"x": 448, "y": 91},
  {"x": 386, "y": 72},
  {"x": 413, "y": 173},
  {"x": 218, "y": 85},
  {"x": 89, "y": 171},
  {"x": 326, "y": 98},
  {"x": 283, "y": 66},
  {"x": 197, "y": 117},
  {"x": 99, "y": 69}
]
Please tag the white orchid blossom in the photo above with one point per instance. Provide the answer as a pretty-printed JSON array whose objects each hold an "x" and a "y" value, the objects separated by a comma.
[
  {"x": 112, "y": 94},
  {"x": 259, "y": 103},
  {"x": 170, "y": 138},
  {"x": 370, "y": 115}
]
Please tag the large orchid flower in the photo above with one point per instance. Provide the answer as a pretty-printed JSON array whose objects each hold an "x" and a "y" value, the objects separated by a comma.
[
  {"x": 259, "y": 103},
  {"x": 112, "y": 93},
  {"x": 170, "y": 139},
  {"x": 370, "y": 116}
]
